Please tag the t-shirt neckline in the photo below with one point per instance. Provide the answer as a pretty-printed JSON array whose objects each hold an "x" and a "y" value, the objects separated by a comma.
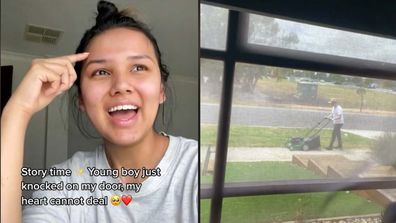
[{"x": 151, "y": 184}]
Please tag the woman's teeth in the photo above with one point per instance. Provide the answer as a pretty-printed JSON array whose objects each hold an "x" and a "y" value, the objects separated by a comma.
[{"x": 122, "y": 108}]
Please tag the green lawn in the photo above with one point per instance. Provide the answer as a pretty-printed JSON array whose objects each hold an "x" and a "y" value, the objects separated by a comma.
[
  {"x": 278, "y": 208},
  {"x": 347, "y": 96},
  {"x": 247, "y": 136},
  {"x": 258, "y": 171},
  {"x": 282, "y": 93},
  {"x": 274, "y": 208},
  {"x": 350, "y": 99}
]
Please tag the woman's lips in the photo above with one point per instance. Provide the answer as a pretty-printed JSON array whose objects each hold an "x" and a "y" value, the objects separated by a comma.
[{"x": 124, "y": 118}]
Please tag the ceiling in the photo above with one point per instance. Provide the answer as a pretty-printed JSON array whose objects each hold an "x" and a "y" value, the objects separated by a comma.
[{"x": 173, "y": 22}]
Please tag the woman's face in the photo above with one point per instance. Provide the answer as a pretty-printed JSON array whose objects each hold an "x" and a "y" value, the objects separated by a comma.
[{"x": 121, "y": 85}]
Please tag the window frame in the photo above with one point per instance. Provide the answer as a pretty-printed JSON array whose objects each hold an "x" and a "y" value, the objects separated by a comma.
[{"x": 271, "y": 56}]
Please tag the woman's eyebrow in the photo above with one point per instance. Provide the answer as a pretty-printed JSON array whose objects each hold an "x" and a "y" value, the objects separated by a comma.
[
  {"x": 140, "y": 56},
  {"x": 132, "y": 57},
  {"x": 100, "y": 61}
]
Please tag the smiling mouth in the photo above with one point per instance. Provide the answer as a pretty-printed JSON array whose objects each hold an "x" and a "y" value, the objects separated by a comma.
[
  {"x": 123, "y": 112},
  {"x": 119, "y": 108}
]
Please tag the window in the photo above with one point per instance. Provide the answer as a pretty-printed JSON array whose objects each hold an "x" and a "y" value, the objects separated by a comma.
[
  {"x": 211, "y": 80},
  {"x": 277, "y": 166},
  {"x": 269, "y": 31},
  {"x": 214, "y": 25}
]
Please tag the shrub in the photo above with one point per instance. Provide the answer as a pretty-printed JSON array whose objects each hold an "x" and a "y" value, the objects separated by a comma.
[{"x": 384, "y": 149}]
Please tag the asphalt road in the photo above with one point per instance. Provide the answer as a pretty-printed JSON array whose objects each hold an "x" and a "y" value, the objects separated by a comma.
[{"x": 283, "y": 117}]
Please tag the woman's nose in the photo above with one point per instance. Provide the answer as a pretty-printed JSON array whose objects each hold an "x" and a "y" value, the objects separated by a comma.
[{"x": 121, "y": 84}]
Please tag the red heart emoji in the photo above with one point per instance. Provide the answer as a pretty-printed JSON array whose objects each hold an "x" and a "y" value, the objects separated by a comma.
[{"x": 126, "y": 199}]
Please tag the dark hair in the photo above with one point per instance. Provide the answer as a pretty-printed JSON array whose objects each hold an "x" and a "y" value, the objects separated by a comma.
[{"x": 108, "y": 17}]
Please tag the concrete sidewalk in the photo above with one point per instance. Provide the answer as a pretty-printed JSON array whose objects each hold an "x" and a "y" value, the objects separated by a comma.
[
  {"x": 256, "y": 154},
  {"x": 364, "y": 133}
]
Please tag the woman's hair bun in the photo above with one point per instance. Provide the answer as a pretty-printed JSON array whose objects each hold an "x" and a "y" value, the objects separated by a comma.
[{"x": 106, "y": 10}]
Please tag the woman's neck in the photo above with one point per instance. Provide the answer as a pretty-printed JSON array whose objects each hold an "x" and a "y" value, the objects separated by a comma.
[{"x": 147, "y": 153}]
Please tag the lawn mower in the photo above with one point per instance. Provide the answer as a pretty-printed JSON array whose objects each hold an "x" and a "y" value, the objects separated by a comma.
[{"x": 311, "y": 140}]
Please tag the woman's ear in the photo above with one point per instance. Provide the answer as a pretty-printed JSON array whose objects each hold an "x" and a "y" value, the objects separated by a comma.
[{"x": 162, "y": 94}]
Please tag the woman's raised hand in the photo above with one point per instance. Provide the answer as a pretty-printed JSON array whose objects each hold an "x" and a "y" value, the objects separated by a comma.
[{"x": 45, "y": 79}]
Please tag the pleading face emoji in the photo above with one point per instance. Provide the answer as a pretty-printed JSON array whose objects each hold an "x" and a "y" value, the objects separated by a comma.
[{"x": 115, "y": 200}]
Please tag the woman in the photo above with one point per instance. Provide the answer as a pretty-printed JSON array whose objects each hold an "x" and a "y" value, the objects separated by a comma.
[{"x": 121, "y": 81}]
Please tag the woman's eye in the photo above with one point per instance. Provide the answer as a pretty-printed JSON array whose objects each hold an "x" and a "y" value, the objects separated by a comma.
[
  {"x": 100, "y": 73},
  {"x": 139, "y": 67}
]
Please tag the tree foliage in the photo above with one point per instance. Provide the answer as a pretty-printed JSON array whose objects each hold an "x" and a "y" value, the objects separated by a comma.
[
  {"x": 268, "y": 31},
  {"x": 384, "y": 149}
]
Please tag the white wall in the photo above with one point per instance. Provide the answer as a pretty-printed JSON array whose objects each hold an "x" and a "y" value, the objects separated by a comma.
[{"x": 185, "y": 119}]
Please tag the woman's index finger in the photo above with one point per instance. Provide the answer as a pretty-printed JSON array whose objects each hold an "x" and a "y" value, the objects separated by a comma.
[{"x": 77, "y": 57}]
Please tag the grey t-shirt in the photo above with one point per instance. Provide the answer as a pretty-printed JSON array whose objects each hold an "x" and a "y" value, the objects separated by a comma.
[{"x": 172, "y": 197}]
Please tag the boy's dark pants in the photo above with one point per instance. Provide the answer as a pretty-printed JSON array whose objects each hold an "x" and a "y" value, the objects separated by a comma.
[{"x": 336, "y": 134}]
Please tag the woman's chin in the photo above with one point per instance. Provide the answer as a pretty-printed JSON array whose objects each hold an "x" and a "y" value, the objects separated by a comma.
[{"x": 124, "y": 140}]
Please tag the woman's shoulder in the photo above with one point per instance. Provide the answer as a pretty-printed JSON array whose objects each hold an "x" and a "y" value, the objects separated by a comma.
[
  {"x": 183, "y": 156},
  {"x": 184, "y": 143},
  {"x": 183, "y": 149}
]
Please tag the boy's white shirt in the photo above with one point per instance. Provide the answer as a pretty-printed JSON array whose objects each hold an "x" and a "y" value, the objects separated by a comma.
[{"x": 337, "y": 115}]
